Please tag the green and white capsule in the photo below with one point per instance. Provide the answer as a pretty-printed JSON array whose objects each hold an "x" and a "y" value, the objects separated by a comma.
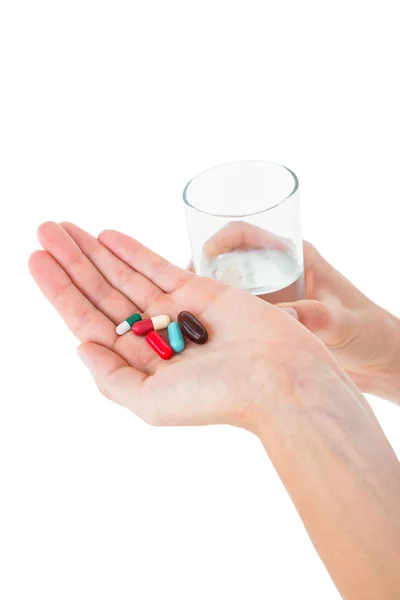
[{"x": 126, "y": 326}]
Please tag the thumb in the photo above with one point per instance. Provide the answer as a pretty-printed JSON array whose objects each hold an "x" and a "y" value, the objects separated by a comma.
[
  {"x": 314, "y": 315},
  {"x": 334, "y": 325}
]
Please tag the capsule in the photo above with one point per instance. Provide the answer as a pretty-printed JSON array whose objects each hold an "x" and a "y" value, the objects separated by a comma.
[
  {"x": 159, "y": 345},
  {"x": 175, "y": 337},
  {"x": 153, "y": 324},
  {"x": 192, "y": 327},
  {"x": 127, "y": 324}
]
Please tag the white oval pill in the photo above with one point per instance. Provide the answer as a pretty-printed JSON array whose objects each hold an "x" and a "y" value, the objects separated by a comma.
[
  {"x": 160, "y": 322},
  {"x": 122, "y": 328}
]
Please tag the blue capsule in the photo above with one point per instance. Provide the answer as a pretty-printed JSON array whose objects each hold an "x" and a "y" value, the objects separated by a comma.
[{"x": 175, "y": 337}]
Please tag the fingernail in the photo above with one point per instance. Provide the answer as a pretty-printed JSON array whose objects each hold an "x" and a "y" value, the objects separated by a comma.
[{"x": 292, "y": 312}]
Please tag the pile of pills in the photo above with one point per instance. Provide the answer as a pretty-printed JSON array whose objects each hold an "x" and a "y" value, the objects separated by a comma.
[{"x": 186, "y": 324}]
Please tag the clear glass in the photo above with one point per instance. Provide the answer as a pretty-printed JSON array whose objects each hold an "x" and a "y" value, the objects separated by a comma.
[{"x": 244, "y": 226}]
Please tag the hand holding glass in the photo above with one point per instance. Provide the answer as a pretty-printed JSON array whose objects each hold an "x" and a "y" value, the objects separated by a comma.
[{"x": 244, "y": 226}]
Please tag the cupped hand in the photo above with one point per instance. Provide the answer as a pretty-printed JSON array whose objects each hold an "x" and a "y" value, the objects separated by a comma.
[
  {"x": 247, "y": 364},
  {"x": 362, "y": 336}
]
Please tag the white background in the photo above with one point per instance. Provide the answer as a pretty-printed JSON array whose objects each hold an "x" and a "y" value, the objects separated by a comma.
[{"x": 107, "y": 109}]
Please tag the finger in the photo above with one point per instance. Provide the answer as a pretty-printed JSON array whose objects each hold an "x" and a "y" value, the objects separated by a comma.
[
  {"x": 84, "y": 274},
  {"x": 117, "y": 380},
  {"x": 162, "y": 273},
  {"x": 323, "y": 281},
  {"x": 132, "y": 284},
  {"x": 84, "y": 320},
  {"x": 190, "y": 267},
  {"x": 241, "y": 235}
]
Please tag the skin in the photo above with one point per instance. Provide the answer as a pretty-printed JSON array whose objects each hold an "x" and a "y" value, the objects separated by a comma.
[
  {"x": 267, "y": 374},
  {"x": 362, "y": 336}
]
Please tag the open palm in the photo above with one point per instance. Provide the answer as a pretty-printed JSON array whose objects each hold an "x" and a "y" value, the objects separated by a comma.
[{"x": 96, "y": 283}]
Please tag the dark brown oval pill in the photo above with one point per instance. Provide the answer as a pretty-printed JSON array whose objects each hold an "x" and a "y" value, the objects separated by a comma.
[{"x": 192, "y": 327}]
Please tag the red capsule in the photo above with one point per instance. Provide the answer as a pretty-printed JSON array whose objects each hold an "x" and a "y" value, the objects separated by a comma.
[
  {"x": 143, "y": 327},
  {"x": 159, "y": 345}
]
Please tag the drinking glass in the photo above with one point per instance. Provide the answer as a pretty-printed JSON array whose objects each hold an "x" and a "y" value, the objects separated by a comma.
[{"x": 244, "y": 226}]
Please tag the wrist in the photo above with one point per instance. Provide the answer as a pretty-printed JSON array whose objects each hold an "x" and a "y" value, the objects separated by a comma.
[
  {"x": 303, "y": 385},
  {"x": 342, "y": 476}
]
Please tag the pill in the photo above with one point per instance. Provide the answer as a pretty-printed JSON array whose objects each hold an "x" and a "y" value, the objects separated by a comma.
[
  {"x": 153, "y": 324},
  {"x": 159, "y": 345},
  {"x": 192, "y": 327},
  {"x": 175, "y": 337},
  {"x": 127, "y": 324}
]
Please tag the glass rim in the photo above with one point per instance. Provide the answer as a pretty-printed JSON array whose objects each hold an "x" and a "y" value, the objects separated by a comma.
[{"x": 258, "y": 212}]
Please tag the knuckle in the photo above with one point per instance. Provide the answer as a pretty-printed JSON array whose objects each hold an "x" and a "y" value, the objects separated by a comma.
[
  {"x": 124, "y": 277},
  {"x": 156, "y": 297},
  {"x": 102, "y": 292},
  {"x": 85, "y": 322},
  {"x": 162, "y": 265},
  {"x": 310, "y": 248}
]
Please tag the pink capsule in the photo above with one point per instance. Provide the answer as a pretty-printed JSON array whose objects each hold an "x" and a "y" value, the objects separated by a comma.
[{"x": 159, "y": 345}]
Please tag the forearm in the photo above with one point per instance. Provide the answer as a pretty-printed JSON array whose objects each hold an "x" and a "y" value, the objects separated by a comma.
[{"x": 344, "y": 480}]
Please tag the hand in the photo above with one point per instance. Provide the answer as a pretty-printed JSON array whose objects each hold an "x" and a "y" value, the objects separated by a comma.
[
  {"x": 363, "y": 337},
  {"x": 246, "y": 366},
  {"x": 260, "y": 370}
]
